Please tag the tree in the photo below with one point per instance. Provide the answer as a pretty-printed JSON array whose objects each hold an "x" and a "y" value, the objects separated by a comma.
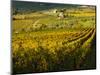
[{"x": 14, "y": 11}]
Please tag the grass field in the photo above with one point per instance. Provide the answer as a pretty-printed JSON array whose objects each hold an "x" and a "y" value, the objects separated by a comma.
[{"x": 43, "y": 41}]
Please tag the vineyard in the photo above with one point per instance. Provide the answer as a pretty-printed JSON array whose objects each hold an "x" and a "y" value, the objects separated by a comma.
[{"x": 43, "y": 42}]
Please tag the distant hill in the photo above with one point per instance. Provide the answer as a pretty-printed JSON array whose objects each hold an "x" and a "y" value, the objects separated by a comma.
[{"x": 24, "y": 6}]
